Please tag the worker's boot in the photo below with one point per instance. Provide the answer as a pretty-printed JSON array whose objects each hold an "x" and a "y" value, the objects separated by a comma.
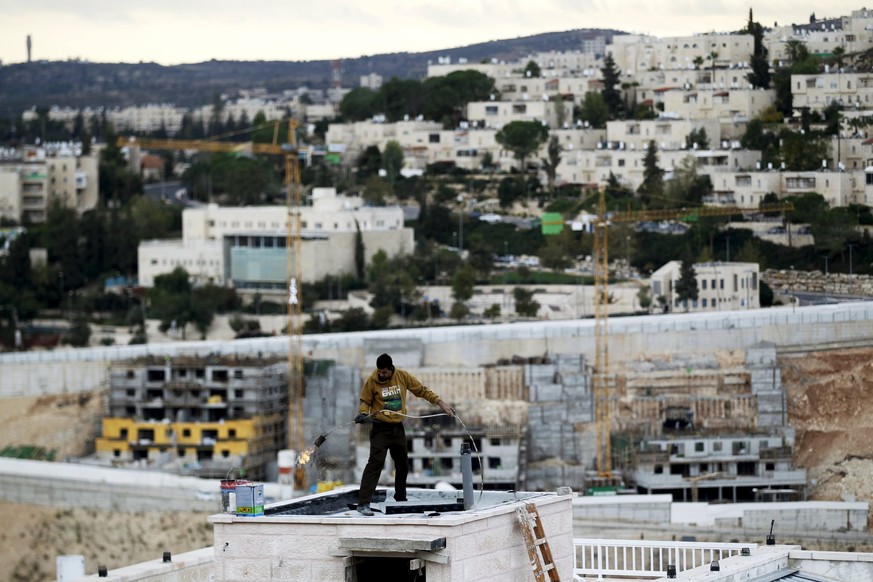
[{"x": 364, "y": 509}]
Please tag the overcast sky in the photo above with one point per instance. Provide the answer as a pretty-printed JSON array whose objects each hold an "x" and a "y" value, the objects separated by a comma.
[{"x": 189, "y": 31}]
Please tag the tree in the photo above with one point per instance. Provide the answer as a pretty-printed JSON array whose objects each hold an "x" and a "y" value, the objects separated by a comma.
[
  {"x": 594, "y": 110},
  {"x": 524, "y": 302},
  {"x": 360, "y": 259},
  {"x": 697, "y": 137},
  {"x": 653, "y": 176},
  {"x": 392, "y": 160},
  {"x": 802, "y": 152},
  {"x": 532, "y": 69},
  {"x": 463, "y": 284},
  {"x": 686, "y": 286},
  {"x": 446, "y": 98},
  {"x": 398, "y": 98},
  {"x": 522, "y": 138},
  {"x": 611, "y": 82},
  {"x": 170, "y": 300},
  {"x": 644, "y": 298},
  {"x": 458, "y": 311},
  {"x": 492, "y": 312},
  {"x": 358, "y": 104},
  {"x": 551, "y": 162}
]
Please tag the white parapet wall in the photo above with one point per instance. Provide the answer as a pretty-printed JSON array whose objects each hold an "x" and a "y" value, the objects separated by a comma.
[{"x": 472, "y": 346}]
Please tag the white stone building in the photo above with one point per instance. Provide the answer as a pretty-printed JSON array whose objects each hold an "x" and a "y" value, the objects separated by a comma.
[
  {"x": 214, "y": 236},
  {"x": 720, "y": 287}
]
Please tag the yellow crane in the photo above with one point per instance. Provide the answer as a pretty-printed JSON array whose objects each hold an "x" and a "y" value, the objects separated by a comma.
[
  {"x": 601, "y": 378},
  {"x": 293, "y": 245}
]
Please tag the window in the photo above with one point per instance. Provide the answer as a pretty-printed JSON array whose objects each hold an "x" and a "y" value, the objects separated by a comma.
[
  {"x": 433, "y": 138},
  {"x": 698, "y": 447}
]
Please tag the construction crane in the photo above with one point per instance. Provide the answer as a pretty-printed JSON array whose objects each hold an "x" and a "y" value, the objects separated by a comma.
[
  {"x": 601, "y": 378},
  {"x": 293, "y": 244}
]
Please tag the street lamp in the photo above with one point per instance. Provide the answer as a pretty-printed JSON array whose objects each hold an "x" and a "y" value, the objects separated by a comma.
[
  {"x": 460, "y": 200},
  {"x": 826, "y": 279}
]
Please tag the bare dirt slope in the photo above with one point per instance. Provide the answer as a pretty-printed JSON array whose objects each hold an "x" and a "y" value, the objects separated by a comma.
[
  {"x": 830, "y": 402},
  {"x": 32, "y": 537}
]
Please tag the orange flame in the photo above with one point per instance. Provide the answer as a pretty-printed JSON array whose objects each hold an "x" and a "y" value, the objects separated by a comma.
[{"x": 305, "y": 456}]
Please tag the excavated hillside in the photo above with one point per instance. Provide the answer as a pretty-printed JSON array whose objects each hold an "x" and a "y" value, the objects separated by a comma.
[{"x": 830, "y": 402}]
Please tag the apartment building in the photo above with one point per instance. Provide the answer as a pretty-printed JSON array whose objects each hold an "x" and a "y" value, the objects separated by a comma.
[
  {"x": 668, "y": 133},
  {"x": 32, "y": 178},
  {"x": 723, "y": 467},
  {"x": 854, "y": 33},
  {"x": 732, "y": 108},
  {"x": 720, "y": 286},
  {"x": 496, "y": 114},
  {"x": 817, "y": 92},
  {"x": 635, "y": 54},
  {"x": 570, "y": 89},
  {"x": 626, "y": 163},
  {"x": 148, "y": 118},
  {"x": 196, "y": 416}
]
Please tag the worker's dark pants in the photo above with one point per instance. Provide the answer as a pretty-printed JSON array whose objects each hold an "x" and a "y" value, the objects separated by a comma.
[{"x": 385, "y": 437}]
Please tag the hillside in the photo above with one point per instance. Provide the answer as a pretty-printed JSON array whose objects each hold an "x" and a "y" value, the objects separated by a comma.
[{"x": 83, "y": 84}]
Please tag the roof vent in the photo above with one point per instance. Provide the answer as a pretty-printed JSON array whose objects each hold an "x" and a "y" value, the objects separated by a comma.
[
  {"x": 746, "y": 552},
  {"x": 671, "y": 570},
  {"x": 714, "y": 567}
]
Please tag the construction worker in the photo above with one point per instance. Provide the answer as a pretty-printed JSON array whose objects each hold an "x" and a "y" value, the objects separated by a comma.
[{"x": 383, "y": 402}]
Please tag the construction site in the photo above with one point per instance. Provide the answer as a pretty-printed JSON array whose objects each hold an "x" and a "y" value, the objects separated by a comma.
[{"x": 721, "y": 423}]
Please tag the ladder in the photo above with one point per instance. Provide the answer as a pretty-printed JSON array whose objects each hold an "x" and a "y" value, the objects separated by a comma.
[{"x": 537, "y": 546}]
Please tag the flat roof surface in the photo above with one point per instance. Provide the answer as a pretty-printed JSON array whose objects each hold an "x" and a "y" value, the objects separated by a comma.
[{"x": 420, "y": 502}]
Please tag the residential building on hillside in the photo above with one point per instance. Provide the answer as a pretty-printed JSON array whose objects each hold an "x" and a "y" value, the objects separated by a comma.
[
  {"x": 634, "y": 54},
  {"x": 669, "y": 134},
  {"x": 818, "y": 91},
  {"x": 32, "y": 178},
  {"x": 720, "y": 286},
  {"x": 626, "y": 163},
  {"x": 853, "y": 33},
  {"x": 732, "y": 108},
  {"x": 496, "y": 114}
]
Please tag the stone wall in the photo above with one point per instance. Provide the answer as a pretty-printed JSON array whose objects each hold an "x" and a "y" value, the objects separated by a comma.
[{"x": 784, "y": 282}]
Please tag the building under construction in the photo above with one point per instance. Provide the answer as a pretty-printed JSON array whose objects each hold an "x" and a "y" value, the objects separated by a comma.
[{"x": 196, "y": 416}]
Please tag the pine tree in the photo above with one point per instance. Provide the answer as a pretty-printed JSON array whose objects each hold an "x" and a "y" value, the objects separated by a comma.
[{"x": 611, "y": 83}]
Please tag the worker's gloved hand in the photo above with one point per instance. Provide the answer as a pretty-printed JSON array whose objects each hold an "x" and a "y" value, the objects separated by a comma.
[
  {"x": 446, "y": 408},
  {"x": 361, "y": 418}
]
